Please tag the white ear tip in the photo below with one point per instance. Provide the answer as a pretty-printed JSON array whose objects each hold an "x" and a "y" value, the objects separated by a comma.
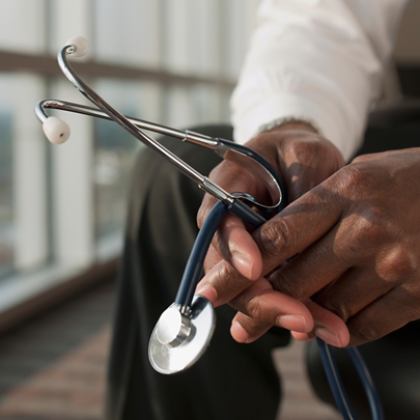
[
  {"x": 80, "y": 45},
  {"x": 56, "y": 130}
]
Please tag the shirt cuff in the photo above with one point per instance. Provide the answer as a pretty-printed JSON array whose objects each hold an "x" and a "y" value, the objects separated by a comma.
[{"x": 322, "y": 115}]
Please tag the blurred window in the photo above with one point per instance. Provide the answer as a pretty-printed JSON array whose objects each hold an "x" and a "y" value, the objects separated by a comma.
[
  {"x": 7, "y": 224},
  {"x": 115, "y": 150},
  {"x": 23, "y": 25},
  {"x": 23, "y": 201},
  {"x": 63, "y": 208},
  {"x": 129, "y": 34}
]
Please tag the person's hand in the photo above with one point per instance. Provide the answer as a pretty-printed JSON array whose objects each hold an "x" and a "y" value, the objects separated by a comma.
[
  {"x": 352, "y": 244},
  {"x": 303, "y": 158}
]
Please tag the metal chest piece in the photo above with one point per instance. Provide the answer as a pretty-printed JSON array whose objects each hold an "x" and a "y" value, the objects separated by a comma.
[{"x": 180, "y": 337}]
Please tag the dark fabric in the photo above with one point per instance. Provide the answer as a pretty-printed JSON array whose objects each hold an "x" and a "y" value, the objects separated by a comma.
[
  {"x": 394, "y": 364},
  {"x": 394, "y": 361},
  {"x": 231, "y": 381}
]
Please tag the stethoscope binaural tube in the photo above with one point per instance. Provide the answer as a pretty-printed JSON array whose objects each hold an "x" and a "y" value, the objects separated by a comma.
[{"x": 193, "y": 268}]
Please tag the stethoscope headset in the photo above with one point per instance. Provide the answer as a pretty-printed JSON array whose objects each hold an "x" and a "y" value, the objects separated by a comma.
[{"x": 184, "y": 330}]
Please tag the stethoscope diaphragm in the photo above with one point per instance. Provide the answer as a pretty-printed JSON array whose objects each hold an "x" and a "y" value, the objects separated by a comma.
[{"x": 181, "y": 336}]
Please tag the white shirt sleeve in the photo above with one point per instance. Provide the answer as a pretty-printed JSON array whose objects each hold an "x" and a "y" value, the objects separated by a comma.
[{"x": 321, "y": 61}]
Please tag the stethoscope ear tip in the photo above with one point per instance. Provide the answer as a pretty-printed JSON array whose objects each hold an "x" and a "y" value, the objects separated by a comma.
[
  {"x": 57, "y": 131},
  {"x": 79, "y": 44}
]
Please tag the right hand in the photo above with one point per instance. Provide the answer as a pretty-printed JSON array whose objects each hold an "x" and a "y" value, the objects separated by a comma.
[{"x": 234, "y": 263}]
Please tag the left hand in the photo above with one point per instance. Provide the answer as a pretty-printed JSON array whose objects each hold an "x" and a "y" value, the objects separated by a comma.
[
  {"x": 303, "y": 158},
  {"x": 352, "y": 244}
]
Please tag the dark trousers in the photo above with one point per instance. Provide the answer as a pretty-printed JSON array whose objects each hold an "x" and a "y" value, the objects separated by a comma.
[{"x": 231, "y": 381}]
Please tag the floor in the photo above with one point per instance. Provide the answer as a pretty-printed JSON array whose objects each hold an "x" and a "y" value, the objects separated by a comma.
[{"x": 54, "y": 367}]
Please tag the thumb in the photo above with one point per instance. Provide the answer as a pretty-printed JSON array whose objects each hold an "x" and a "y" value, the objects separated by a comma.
[{"x": 239, "y": 248}]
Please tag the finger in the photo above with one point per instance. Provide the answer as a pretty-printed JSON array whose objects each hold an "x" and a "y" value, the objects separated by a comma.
[
  {"x": 245, "y": 258},
  {"x": 232, "y": 240},
  {"x": 298, "y": 226},
  {"x": 301, "y": 336},
  {"x": 311, "y": 270},
  {"x": 328, "y": 326},
  {"x": 353, "y": 291},
  {"x": 238, "y": 247},
  {"x": 304, "y": 163},
  {"x": 302, "y": 178},
  {"x": 213, "y": 257},
  {"x": 261, "y": 308},
  {"x": 389, "y": 313},
  {"x": 222, "y": 283},
  {"x": 244, "y": 329},
  {"x": 232, "y": 178}
]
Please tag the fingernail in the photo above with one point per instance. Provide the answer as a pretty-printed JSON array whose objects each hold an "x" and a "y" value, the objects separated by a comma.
[
  {"x": 207, "y": 291},
  {"x": 328, "y": 336},
  {"x": 239, "y": 333},
  {"x": 292, "y": 322},
  {"x": 242, "y": 263}
]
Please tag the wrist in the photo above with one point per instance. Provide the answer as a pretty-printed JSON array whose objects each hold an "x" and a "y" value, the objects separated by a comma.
[
  {"x": 303, "y": 132},
  {"x": 285, "y": 124}
]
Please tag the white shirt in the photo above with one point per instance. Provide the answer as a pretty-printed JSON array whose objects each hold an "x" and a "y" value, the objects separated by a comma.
[{"x": 321, "y": 61}]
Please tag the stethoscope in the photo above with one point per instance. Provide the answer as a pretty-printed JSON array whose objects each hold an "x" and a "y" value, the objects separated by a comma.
[{"x": 184, "y": 330}]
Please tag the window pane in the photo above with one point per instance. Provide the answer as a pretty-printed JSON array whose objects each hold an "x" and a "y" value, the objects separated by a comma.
[
  {"x": 192, "y": 36},
  {"x": 67, "y": 20},
  {"x": 239, "y": 19},
  {"x": 180, "y": 107},
  {"x": 205, "y": 103},
  {"x": 202, "y": 104},
  {"x": 23, "y": 25},
  {"x": 7, "y": 222},
  {"x": 115, "y": 150},
  {"x": 137, "y": 39},
  {"x": 23, "y": 239},
  {"x": 71, "y": 170}
]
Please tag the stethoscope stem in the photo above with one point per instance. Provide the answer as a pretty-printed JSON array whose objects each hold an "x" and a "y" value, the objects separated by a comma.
[
  {"x": 194, "y": 268},
  {"x": 184, "y": 135}
]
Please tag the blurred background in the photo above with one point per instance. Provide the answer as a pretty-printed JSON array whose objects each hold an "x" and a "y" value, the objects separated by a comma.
[
  {"x": 168, "y": 61},
  {"x": 62, "y": 208}
]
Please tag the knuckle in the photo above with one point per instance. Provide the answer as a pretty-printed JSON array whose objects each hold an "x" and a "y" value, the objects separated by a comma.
[
  {"x": 274, "y": 236},
  {"x": 362, "y": 234},
  {"x": 363, "y": 158},
  {"x": 370, "y": 227},
  {"x": 313, "y": 150},
  {"x": 228, "y": 283},
  {"x": 226, "y": 274},
  {"x": 307, "y": 148},
  {"x": 339, "y": 308},
  {"x": 255, "y": 309},
  {"x": 410, "y": 295},
  {"x": 351, "y": 177},
  {"x": 221, "y": 279},
  {"x": 398, "y": 264}
]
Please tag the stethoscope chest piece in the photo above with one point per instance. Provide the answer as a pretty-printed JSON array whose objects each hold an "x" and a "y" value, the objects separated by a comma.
[{"x": 181, "y": 336}]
